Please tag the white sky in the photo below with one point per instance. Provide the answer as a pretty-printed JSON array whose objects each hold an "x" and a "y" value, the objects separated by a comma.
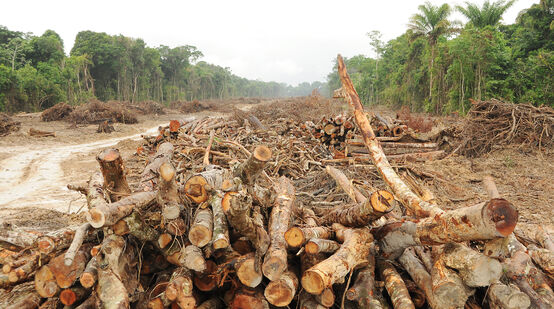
[{"x": 285, "y": 41}]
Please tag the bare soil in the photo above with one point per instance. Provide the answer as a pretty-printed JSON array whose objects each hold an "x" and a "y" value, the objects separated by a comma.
[{"x": 34, "y": 175}]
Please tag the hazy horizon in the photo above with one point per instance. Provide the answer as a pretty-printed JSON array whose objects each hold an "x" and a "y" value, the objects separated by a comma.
[{"x": 286, "y": 42}]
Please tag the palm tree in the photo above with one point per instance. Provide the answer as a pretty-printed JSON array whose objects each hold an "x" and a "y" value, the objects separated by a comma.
[
  {"x": 489, "y": 14},
  {"x": 432, "y": 22}
]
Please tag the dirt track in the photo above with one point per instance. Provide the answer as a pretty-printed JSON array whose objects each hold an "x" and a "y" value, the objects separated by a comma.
[{"x": 35, "y": 171}]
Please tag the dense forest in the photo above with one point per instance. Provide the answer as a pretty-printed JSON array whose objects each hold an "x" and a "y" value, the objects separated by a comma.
[
  {"x": 438, "y": 64},
  {"x": 35, "y": 73}
]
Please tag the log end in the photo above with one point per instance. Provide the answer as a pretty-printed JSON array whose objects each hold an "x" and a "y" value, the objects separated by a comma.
[
  {"x": 167, "y": 171},
  {"x": 313, "y": 282},
  {"x": 200, "y": 235},
  {"x": 87, "y": 280},
  {"x": 247, "y": 274},
  {"x": 294, "y": 237},
  {"x": 96, "y": 218},
  {"x": 68, "y": 297},
  {"x": 273, "y": 267},
  {"x": 108, "y": 155},
  {"x": 220, "y": 243},
  {"x": 164, "y": 240},
  {"x": 278, "y": 293},
  {"x": 195, "y": 189},
  {"x": 504, "y": 214},
  {"x": 45, "y": 245},
  {"x": 262, "y": 153},
  {"x": 311, "y": 247},
  {"x": 382, "y": 201}
]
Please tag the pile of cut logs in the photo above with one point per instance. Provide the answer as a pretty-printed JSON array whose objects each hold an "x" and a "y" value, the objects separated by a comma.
[
  {"x": 206, "y": 229},
  {"x": 397, "y": 140}
]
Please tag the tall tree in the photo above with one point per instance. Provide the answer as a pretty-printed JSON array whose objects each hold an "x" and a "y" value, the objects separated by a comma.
[
  {"x": 489, "y": 14},
  {"x": 431, "y": 22}
]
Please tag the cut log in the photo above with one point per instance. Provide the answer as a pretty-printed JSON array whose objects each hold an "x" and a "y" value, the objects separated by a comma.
[
  {"x": 72, "y": 295},
  {"x": 380, "y": 203},
  {"x": 104, "y": 214},
  {"x": 326, "y": 298},
  {"x": 421, "y": 277},
  {"x": 134, "y": 225},
  {"x": 353, "y": 252},
  {"x": 281, "y": 292},
  {"x": 90, "y": 274},
  {"x": 448, "y": 287},
  {"x": 15, "y": 240},
  {"x": 503, "y": 296},
  {"x": 245, "y": 267},
  {"x": 363, "y": 291},
  {"x": 115, "y": 181},
  {"x": 307, "y": 301},
  {"x": 67, "y": 275},
  {"x": 45, "y": 282},
  {"x": 198, "y": 187},
  {"x": 316, "y": 245},
  {"x": 116, "y": 265},
  {"x": 396, "y": 288},
  {"x": 484, "y": 221},
  {"x": 275, "y": 262},
  {"x": 24, "y": 271},
  {"x": 200, "y": 233},
  {"x": 246, "y": 298},
  {"x": 249, "y": 170},
  {"x": 474, "y": 268},
  {"x": 164, "y": 240},
  {"x": 89, "y": 303},
  {"x": 220, "y": 238},
  {"x": 237, "y": 207},
  {"x": 543, "y": 258},
  {"x": 409, "y": 199},
  {"x": 39, "y": 133},
  {"x": 149, "y": 176},
  {"x": 179, "y": 288},
  {"x": 299, "y": 236},
  {"x": 76, "y": 243},
  {"x": 168, "y": 195},
  {"x": 209, "y": 279}
]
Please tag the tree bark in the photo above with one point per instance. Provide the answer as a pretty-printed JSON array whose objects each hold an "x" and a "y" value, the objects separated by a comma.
[
  {"x": 104, "y": 214},
  {"x": 201, "y": 230},
  {"x": 249, "y": 170},
  {"x": 220, "y": 238},
  {"x": 198, "y": 187},
  {"x": 421, "y": 277},
  {"x": 180, "y": 288},
  {"x": 353, "y": 252},
  {"x": 72, "y": 295},
  {"x": 296, "y": 237},
  {"x": 380, "y": 203},
  {"x": 345, "y": 184},
  {"x": 113, "y": 170},
  {"x": 89, "y": 277},
  {"x": 474, "y": 268},
  {"x": 149, "y": 177},
  {"x": 275, "y": 262},
  {"x": 76, "y": 243},
  {"x": 448, "y": 287},
  {"x": 396, "y": 288},
  {"x": 503, "y": 296},
  {"x": 483, "y": 221},
  {"x": 316, "y": 245}
]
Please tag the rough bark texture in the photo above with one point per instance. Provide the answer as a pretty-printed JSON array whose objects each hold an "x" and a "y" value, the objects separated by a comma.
[
  {"x": 398, "y": 187},
  {"x": 149, "y": 176},
  {"x": 474, "y": 268},
  {"x": 421, "y": 277},
  {"x": 484, "y": 221},
  {"x": 76, "y": 243},
  {"x": 249, "y": 170},
  {"x": 179, "y": 288},
  {"x": 109, "y": 214},
  {"x": 275, "y": 262},
  {"x": 113, "y": 170},
  {"x": 317, "y": 245},
  {"x": 353, "y": 252},
  {"x": 220, "y": 238},
  {"x": 380, "y": 203},
  {"x": 399, "y": 294},
  {"x": 503, "y": 296},
  {"x": 448, "y": 287}
]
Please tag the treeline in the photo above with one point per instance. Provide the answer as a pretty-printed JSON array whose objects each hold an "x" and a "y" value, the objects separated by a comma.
[
  {"x": 35, "y": 73},
  {"x": 437, "y": 65}
]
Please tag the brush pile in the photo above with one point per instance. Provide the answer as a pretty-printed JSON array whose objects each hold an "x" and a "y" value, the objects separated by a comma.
[
  {"x": 57, "y": 112},
  {"x": 8, "y": 125},
  {"x": 145, "y": 107},
  {"x": 229, "y": 214},
  {"x": 95, "y": 112},
  {"x": 495, "y": 123}
]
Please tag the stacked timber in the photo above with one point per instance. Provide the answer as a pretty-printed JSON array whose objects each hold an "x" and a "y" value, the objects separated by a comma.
[{"x": 221, "y": 216}]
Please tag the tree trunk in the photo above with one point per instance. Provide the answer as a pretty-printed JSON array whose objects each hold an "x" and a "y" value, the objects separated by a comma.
[
  {"x": 201, "y": 230},
  {"x": 280, "y": 292},
  {"x": 474, "y": 268},
  {"x": 198, "y": 187},
  {"x": 399, "y": 294},
  {"x": 503, "y": 296},
  {"x": 149, "y": 177},
  {"x": 353, "y": 252},
  {"x": 275, "y": 262},
  {"x": 104, "y": 214},
  {"x": 421, "y": 277},
  {"x": 220, "y": 238},
  {"x": 380, "y": 203},
  {"x": 113, "y": 170},
  {"x": 448, "y": 287}
]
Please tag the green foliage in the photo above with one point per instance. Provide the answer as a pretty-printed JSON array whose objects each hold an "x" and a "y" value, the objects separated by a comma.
[{"x": 428, "y": 69}]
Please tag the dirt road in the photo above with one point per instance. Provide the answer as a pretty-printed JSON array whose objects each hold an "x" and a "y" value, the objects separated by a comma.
[{"x": 35, "y": 172}]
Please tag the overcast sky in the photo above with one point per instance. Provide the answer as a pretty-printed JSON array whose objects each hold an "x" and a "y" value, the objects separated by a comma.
[{"x": 287, "y": 41}]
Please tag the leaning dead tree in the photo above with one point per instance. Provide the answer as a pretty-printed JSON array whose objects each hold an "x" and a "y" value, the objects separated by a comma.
[{"x": 241, "y": 215}]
